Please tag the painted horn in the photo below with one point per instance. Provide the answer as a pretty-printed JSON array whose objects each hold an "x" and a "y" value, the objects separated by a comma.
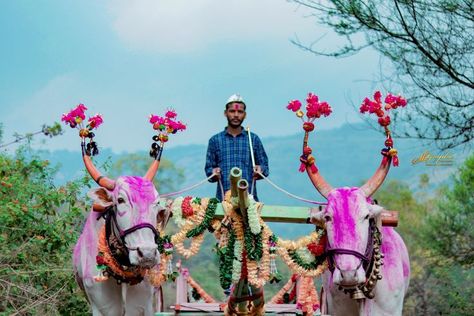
[
  {"x": 319, "y": 183},
  {"x": 150, "y": 174},
  {"x": 371, "y": 186},
  {"x": 104, "y": 182}
]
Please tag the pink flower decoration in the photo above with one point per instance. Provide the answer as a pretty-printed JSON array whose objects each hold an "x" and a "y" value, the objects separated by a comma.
[
  {"x": 166, "y": 125},
  {"x": 391, "y": 102},
  {"x": 171, "y": 114},
  {"x": 294, "y": 105},
  {"x": 75, "y": 116},
  {"x": 95, "y": 121},
  {"x": 312, "y": 98}
]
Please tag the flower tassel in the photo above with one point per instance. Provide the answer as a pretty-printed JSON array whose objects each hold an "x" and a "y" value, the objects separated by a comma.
[
  {"x": 102, "y": 267},
  {"x": 394, "y": 154},
  {"x": 307, "y": 160}
]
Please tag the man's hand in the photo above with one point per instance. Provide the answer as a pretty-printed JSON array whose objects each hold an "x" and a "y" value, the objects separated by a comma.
[
  {"x": 256, "y": 172},
  {"x": 217, "y": 172}
]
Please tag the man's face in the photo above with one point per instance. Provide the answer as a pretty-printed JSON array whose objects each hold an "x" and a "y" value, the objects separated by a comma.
[{"x": 235, "y": 114}]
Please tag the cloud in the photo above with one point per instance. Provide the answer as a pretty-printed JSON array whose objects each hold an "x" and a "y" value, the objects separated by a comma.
[{"x": 185, "y": 26}]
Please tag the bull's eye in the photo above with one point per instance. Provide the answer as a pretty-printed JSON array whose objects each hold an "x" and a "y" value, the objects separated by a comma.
[
  {"x": 120, "y": 200},
  {"x": 327, "y": 218}
]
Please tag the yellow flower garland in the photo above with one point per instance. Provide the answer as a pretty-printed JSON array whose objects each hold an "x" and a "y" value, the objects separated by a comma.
[{"x": 177, "y": 239}]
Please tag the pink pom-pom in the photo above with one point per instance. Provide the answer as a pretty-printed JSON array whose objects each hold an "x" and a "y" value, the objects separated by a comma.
[{"x": 302, "y": 167}]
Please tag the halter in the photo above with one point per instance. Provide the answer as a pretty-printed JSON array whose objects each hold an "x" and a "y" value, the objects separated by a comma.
[
  {"x": 115, "y": 239},
  {"x": 371, "y": 261},
  {"x": 364, "y": 258}
]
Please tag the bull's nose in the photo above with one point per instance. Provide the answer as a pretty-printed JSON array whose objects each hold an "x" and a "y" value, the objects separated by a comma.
[
  {"x": 349, "y": 274},
  {"x": 147, "y": 252}
]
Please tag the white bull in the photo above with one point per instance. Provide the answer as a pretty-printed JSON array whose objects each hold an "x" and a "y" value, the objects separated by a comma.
[
  {"x": 366, "y": 277},
  {"x": 130, "y": 206}
]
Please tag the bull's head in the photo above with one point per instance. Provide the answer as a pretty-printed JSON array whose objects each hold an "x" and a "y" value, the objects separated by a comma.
[
  {"x": 132, "y": 206},
  {"x": 347, "y": 218}
]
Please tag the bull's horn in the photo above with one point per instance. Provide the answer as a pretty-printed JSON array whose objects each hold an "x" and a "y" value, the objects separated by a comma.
[
  {"x": 371, "y": 186},
  {"x": 104, "y": 182},
  {"x": 150, "y": 174},
  {"x": 319, "y": 183}
]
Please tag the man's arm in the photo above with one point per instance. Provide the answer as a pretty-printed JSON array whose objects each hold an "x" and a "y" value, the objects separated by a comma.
[
  {"x": 211, "y": 161},
  {"x": 261, "y": 159}
]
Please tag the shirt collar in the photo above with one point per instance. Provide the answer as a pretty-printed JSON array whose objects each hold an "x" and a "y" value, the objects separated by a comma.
[{"x": 243, "y": 132}]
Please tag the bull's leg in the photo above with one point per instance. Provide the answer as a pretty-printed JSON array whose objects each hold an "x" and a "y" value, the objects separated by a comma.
[
  {"x": 139, "y": 299},
  {"x": 105, "y": 297}
]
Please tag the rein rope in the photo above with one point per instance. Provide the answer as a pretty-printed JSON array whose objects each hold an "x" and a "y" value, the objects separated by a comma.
[
  {"x": 253, "y": 185},
  {"x": 190, "y": 187},
  {"x": 291, "y": 194}
]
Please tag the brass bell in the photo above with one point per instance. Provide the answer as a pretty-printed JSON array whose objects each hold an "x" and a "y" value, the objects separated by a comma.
[
  {"x": 370, "y": 295},
  {"x": 371, "y": 283},
  {"x": 373, "y": 277},
  {"x": 377, "y": 271},
  {"x": 379, "y": 277},
  {"x": 357, "y": 295}
]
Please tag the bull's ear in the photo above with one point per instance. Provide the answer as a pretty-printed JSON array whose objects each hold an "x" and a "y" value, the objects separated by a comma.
[
  {"x": 101, "y": 197},
  {"x": 163, "y": 215},
  {"x": 375, "y": 210},
  {"x": 316, "y": 216}
]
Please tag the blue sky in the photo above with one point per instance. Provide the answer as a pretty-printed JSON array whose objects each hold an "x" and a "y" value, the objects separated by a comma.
[{"x": 127, "y": 59}]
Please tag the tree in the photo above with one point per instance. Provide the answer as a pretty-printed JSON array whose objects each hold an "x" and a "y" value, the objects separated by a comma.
[
  {"x": 430, "y": 45},
  {"x": 449, "y": 230},
  {"x": 167, "y": 179},
  {"x": 39, "y": 224},
  {"x": 437, "y": 286}
]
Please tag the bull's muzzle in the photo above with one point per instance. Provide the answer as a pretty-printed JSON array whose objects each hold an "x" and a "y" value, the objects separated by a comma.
[
  {"x": 349, "y": 278},
  {"x": 145, "y": 257}
]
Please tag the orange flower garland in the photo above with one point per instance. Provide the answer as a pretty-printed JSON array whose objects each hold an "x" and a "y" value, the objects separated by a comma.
[
  {"x": 191, "y": 221},
  {"x": 307, "y": 300},
  {"x": 112, "y": 264}
]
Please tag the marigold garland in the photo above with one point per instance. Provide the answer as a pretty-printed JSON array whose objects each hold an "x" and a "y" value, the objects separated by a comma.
[
  {"x": 203, "y": 211},
  {"x": 107, "y": 260},
  {"x": 302, "y": 268},
  {"x": 307, "y": 300}
]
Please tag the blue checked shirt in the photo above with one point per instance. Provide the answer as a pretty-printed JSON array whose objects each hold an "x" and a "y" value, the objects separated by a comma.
[{"x": 226, "y": 151}]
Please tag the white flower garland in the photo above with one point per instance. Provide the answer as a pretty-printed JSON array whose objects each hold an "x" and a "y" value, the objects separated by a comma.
[
  {"x": 253, "y": 215},
  {"x": 237, "y": 263},
  {"x": 177, "y": 213}
]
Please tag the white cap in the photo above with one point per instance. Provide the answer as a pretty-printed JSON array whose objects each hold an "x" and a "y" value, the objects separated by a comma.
[{"x": 235, "y": 98}]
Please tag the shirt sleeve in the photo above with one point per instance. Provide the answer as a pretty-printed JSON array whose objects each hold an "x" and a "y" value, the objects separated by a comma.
[
  {"x": 211, "y": 159},
  {"x": 261, "y": 156}
]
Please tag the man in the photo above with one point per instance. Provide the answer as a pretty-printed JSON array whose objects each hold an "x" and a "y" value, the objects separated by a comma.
[{"x": 230, "y": 148}]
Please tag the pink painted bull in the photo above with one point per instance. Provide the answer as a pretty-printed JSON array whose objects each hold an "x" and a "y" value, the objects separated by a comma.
[
  {"x": 369, "y": 268},
  {"x": 124, "y": 217}
]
